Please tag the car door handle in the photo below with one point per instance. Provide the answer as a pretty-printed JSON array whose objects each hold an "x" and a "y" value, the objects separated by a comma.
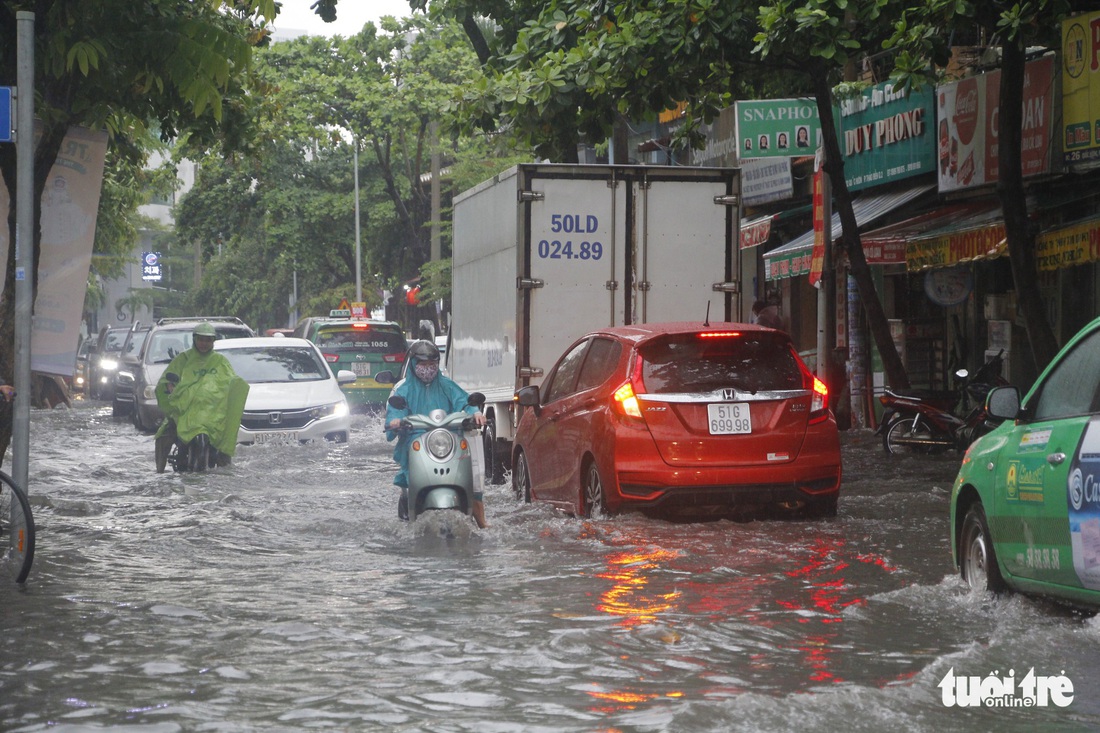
[{"x": 1056, "y": 459}]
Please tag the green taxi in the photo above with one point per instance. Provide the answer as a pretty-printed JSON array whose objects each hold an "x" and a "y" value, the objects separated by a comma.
[
  {"x": 364, "y": 346},
  {"x": 1025, "y": 507}
]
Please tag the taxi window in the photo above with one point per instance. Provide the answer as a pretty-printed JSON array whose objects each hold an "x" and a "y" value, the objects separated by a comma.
[
  {"x": 369, "y": 340},
  {"x": 1071, "y": 388}
]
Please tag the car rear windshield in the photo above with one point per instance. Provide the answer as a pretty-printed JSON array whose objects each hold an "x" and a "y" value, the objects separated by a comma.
[
  {"x": 368, "y": 340},
  {"x": 750, "y": 362},
  {"x": 280, "y": 364}
]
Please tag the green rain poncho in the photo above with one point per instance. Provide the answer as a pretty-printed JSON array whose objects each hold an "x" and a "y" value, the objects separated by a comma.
[{"x": 208, "y": 399}]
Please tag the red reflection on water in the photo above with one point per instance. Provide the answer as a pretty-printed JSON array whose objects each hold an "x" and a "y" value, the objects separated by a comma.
[{"x": 627, "y": 597}]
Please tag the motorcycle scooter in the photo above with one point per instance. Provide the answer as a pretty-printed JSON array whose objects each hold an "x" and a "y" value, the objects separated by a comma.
[
  {"x": 924, "y": 423},
  {"x": 443, "y": 468}
]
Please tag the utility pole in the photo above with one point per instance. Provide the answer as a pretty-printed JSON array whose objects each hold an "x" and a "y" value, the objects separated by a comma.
[{"x": 24, "y": 245}]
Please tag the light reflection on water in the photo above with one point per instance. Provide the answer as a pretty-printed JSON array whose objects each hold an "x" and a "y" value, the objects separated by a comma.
[{"x": 284, "y": 594}]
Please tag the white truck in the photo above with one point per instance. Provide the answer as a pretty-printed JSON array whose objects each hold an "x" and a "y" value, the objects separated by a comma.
[{"x": 544, "y": 253}]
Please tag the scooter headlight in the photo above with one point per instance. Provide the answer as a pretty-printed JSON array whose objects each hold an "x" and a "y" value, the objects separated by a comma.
[{"x": 440, "y": 443}]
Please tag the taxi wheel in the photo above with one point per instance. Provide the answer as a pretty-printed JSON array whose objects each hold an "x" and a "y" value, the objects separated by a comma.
[
  {"x": 592, "y": 497},
  {"x": 977, "y": 558},
  {"x": 521, "y": 479}
]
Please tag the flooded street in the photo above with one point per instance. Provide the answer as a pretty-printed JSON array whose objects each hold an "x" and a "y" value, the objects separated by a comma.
[{"x": 283, "y": 594}]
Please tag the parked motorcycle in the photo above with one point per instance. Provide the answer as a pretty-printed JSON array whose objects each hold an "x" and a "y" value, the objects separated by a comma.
[
  {"x": 443, "y": 470},
  {"x": 926, "y": 423}
]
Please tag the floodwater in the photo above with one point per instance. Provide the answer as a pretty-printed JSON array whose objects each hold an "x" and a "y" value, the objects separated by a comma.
[{"x": 283, "y": 594}]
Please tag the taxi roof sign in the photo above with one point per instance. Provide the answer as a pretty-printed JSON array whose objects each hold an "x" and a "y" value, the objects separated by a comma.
[{"x": 340, "y": 313}]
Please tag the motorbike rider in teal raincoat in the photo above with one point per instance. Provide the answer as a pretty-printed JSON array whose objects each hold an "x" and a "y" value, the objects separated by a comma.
[{"x": 425, "y": 389}]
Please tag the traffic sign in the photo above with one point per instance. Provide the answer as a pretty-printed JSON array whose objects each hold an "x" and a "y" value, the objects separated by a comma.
[{"x": 5, "y": 115}]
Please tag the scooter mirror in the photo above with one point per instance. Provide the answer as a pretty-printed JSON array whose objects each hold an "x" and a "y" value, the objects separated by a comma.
[
  {"x": 477, "y": 400},
  {"x": 962, "y": 374},
  {"x": 384, "y": 377},
  {"x": 398, "y": 402}
]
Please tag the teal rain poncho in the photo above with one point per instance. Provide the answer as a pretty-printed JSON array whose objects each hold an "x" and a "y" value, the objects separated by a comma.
[
  {"x": 200, "y": 402},
  {"x": 441, "y": 394}
]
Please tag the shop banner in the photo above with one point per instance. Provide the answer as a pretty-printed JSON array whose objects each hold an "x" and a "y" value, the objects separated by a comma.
[
  {"x": 756, "y": 233},
  {"x": 766, "y": 180},
  {"x": 953, "y": 248},
  {"x": 968, "y": 133},
  {"x": 886, "y": 135},
  {"x": 792, "y": 264},
  {"x": 1074, "y": 245},
  {"x": 1081, "y": 88},
  {"x": 817, "y": 254},
  {"x": 774, "y": 128},
  {"x": 70, "y": 204}
]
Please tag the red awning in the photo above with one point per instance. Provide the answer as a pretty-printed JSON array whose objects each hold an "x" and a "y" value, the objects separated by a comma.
[{"x": 887, "y": 246}]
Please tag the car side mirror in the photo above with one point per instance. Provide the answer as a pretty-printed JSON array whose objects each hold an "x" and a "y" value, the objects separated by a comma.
[
  {"x": 385, "y": 377},
  {"x": 345, "y": 376},
  {"x": 477, "y": 400},
  {"x": 529, "y": 397},
  {"x": 1003, "y": 403},
  {"x": 398, "y": 402}
]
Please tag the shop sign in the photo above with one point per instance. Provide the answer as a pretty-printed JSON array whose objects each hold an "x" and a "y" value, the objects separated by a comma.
[
  {"x": 968, "y": 126},
  {"x": 775, "y": 128},
  {"x": 1081, "y": 88},
  {"x": 1075, "y": 245},
  {"x": 954, "y": 247},
  {"x": 791, "y": 265},
  {"x": 757, "y": 233},
  {"x": 720, "y": 142},
  {"x": 885, "y": 135},
  {"x": 764, "y": 180}
]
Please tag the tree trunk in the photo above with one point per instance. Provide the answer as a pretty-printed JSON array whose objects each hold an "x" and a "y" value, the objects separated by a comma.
[
  {"x": 850, "y": 241},
  {"x": 1010, "y": 187}
]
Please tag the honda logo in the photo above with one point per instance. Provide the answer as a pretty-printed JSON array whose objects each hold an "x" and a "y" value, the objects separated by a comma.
[
  {"x": 729, "y": 393},
  {"x": 274, "y": 417}
]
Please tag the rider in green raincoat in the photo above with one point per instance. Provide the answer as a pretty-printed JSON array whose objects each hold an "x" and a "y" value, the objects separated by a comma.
[{"x": 200, "y": 393}]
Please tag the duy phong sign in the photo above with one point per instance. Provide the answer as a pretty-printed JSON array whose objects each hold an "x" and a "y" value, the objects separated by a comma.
[
  {"x": 885, "y": 135},
  {"x": 968, "y": 132}
]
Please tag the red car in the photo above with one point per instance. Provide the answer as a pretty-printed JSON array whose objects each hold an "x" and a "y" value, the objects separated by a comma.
[{"x": 683, "y": 420}]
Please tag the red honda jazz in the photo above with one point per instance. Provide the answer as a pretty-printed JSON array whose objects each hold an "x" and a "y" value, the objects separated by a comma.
[{"x": 683, "y": 420}]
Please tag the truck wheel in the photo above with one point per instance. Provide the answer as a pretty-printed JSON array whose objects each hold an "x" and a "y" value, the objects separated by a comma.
[{"x": 494, "y": 467}]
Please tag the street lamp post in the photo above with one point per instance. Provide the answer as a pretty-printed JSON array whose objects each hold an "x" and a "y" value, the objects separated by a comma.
[{"x": 358, "y": 264}]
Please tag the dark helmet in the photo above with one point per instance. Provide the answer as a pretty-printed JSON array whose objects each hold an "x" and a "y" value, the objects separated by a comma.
[{"x": 423, "y": 351}]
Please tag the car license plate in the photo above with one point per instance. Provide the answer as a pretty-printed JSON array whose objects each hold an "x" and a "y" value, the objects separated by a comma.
[
  {"x": 277, "y": 436},
  {"x": 729, "y": 418},
  {"x": 361, "y": 368}
]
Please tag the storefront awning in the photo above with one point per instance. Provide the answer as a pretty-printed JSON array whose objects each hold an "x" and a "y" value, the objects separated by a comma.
[
  {"x": 793, "y": 258},
  {"x": 964, "y": 233}
]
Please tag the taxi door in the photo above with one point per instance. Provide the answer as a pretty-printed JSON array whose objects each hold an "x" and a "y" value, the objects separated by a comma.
[{"x": 1046, "y": 509}]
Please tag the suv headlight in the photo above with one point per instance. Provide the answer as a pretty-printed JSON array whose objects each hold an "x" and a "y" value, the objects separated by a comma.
[
  {"x": 440, "y": 443},
  {"x": 108, "y": 364}
]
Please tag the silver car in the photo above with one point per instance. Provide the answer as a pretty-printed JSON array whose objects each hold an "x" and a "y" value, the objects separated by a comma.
[{"x": 293, "y": 396}]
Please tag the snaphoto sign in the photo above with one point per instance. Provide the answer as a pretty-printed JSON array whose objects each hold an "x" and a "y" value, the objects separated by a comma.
[{"x": 774, "y": 128}]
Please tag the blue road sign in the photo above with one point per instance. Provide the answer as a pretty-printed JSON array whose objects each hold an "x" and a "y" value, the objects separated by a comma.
[{"x": 5, "y": 114}]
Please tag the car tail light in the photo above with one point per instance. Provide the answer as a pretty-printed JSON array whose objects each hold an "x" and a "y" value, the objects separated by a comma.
[
  {"x": 361, "y": 326},
  {"x": 718, "y": 334},
  {"x": 331, "y": 358},
  {"x": 392, "y": 358},
  {"x": 625, "y": 401},
  {"x": 819, "y": 401}
]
